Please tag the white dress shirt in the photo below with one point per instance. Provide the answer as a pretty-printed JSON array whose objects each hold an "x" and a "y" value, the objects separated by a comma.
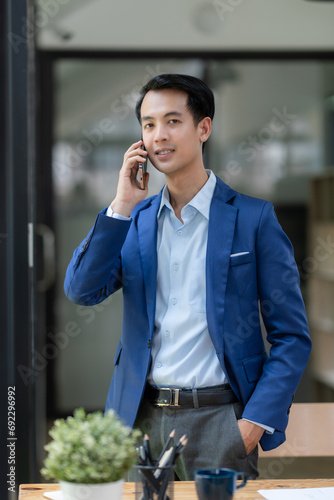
[{"x": 183, "y": 354}]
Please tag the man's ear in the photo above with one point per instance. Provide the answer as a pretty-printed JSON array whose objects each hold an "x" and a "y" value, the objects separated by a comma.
[{"x": 204, "y": 128}]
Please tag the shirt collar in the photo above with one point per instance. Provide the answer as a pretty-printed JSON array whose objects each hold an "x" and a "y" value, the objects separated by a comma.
[{"x": 201, "y": 201}]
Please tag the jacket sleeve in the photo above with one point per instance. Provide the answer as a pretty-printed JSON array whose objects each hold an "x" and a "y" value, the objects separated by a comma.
[
  {"x": 283, "y": 313},
  {"x": 95, "y": 270}
]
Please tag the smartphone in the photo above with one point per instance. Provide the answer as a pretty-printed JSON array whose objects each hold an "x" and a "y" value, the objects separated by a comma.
[{"x": 142, "y": 171}]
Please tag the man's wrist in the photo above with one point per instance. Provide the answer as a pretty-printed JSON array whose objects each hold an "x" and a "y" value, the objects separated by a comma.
[
  {"x": 267, "y": 428},
  {"x": 111, "y": 213},
  {"x": 121, "y": 208}
]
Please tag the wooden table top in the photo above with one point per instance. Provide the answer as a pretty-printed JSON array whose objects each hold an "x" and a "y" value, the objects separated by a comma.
[{"x": 185, "y": 490}]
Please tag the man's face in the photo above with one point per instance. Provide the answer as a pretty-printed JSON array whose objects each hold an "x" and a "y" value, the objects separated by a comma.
[{"x": 170, "y": 135}]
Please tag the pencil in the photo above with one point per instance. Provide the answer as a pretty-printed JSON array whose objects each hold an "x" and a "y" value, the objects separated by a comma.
[
  {"x": 169, "y": 439},
  {"x": 148, "y": 449},
  {"x": 165, "y": 460},
  {"x": 178, "y": 448}
]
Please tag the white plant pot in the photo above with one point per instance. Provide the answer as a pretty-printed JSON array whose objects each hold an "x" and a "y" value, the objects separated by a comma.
[{"x": 81, "y": 491}]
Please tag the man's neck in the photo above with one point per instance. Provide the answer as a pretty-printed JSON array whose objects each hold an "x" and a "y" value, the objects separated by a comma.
[{"x": 183, "y": 188}]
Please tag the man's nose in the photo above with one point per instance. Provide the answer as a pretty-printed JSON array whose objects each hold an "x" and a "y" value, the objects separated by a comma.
[{"x": 160, "y": 133}]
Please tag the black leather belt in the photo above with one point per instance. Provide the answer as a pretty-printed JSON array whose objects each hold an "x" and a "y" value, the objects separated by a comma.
[{"x": 167, "y": 396}]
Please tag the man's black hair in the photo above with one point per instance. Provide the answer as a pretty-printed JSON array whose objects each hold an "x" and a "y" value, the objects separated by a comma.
[{"x": 200, "y": 97}]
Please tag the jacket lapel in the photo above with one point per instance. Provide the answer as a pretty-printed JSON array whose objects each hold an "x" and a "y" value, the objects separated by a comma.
[
  {"x": 220, "y": 238},
  {"x": 147, "y": 236}
]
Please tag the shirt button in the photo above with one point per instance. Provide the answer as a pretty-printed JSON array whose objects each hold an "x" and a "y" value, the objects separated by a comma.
[
  {"x": 159, "y": 365},
  {"x": 174, "y": 301},
  {"x": 179, "y": 233},
  {"x": 176, "y": 267},
  {"x": 167, "y": 333}
]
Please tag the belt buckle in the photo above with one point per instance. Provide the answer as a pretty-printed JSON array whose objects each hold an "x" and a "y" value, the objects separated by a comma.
[{"x": 172, "y": 397}]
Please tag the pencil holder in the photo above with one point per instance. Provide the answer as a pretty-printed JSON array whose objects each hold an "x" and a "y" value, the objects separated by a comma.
[{"x": 154, "y": 483}]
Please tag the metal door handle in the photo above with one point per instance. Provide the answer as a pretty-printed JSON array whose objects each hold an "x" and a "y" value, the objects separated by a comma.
[{"x": 49, "y": 257}]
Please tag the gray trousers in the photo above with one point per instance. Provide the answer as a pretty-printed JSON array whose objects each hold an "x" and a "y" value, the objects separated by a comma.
[{"x": 214, "y": 439}]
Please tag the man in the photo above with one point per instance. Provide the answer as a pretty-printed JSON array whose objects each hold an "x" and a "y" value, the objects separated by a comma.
[{"x": 199, "y": 265}]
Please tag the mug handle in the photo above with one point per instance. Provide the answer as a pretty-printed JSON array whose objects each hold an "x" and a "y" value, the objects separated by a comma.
[{"x": 243, "y": 477}]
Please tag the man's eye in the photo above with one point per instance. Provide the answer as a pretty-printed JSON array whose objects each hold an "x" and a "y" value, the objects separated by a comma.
[
  {"x": 174, "y": 120},
  {"x": 148, "y": 125}
]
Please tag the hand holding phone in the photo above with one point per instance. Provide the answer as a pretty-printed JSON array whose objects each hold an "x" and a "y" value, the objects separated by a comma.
[
  {"x": 129, "y": 190},
  {"x": 142, "y": 171}
]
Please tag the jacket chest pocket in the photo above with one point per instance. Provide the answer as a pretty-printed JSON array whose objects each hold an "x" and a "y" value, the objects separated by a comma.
[
  {"x": 241, "y": 270},
  {"x": 238, "y": 259}
]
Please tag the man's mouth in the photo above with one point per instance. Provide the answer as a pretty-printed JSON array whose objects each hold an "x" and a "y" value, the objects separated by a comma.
[{"x": 161, "y": 153}]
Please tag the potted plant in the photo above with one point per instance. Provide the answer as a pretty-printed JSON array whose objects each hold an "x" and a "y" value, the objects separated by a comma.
[{"x": 89, "y": 455}]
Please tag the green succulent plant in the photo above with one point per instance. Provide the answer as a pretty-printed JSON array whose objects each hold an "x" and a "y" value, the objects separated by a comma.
[{"x": 90, "y": 448}]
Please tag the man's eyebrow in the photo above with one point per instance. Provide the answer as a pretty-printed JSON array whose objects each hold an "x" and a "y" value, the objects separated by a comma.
[{"x": 170, "y": 113}]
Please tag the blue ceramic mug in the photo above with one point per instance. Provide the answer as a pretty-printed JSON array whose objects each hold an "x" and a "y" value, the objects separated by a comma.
[{"x": 218, "y": 484}]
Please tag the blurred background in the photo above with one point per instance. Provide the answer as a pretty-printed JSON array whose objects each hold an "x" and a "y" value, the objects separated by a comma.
[{"x": 73, "y": 72}]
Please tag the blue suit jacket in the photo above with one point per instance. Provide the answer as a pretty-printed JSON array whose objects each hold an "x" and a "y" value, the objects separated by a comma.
[{"x": 263, "y": 277}]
